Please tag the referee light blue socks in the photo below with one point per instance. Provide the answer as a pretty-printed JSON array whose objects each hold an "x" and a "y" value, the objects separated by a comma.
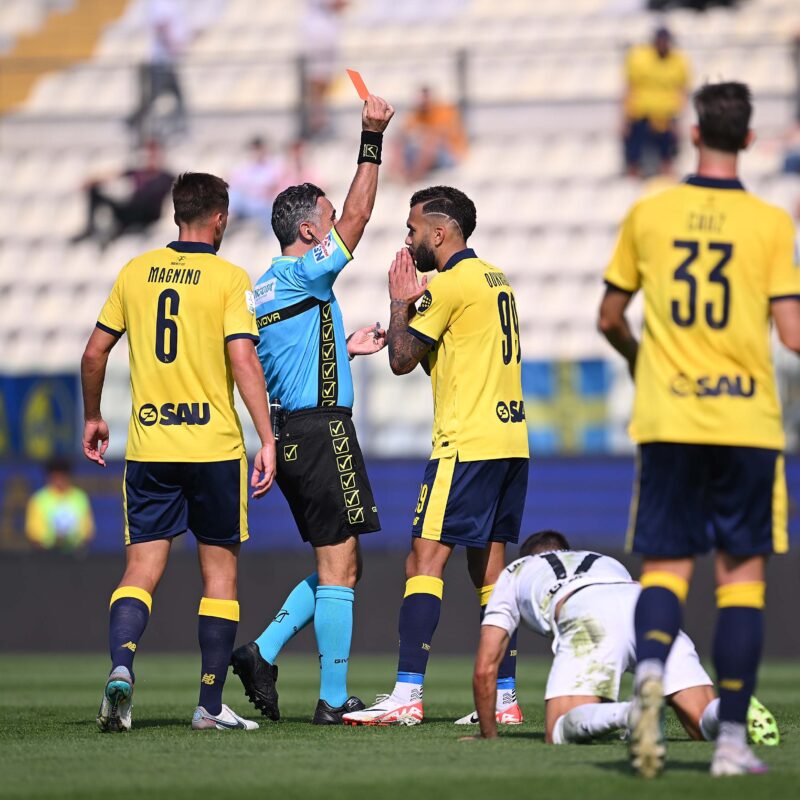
[
  {"x": 419, "y": 616},
  {"x": 129, "y": 612},
  {"x": 333, "y": 626},
  {"x": 296, "y": 612}
]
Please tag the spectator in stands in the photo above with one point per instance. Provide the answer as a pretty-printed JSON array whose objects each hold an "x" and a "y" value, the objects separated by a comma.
[
  {"x": 296, "y": 170},
  {"x": 791, "y": 158},
  {"x": 169, "y": 36},
  {"x": 254, "y": 184},
  {"x": 321, "y": 33},
  {"x": 59, "y": 516},
  {"x": 657, "y": 76},
  {"x": 432, "y": 138},
  {"x": 150, "y": 183}
]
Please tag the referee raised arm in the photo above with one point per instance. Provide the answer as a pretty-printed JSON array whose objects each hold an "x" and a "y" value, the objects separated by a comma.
[{"x": 305, "y": 355}]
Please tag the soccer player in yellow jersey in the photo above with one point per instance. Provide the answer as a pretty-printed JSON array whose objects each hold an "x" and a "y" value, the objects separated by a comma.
[
  {"x": 465, "y": 334},
  {"x": 714, "y": 263},
  {"x": 657, "y": 78},
  {"x": 191, "y": 334}
]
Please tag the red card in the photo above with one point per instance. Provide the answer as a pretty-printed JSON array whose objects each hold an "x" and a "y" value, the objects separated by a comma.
[{"x": 358, "y": 82}]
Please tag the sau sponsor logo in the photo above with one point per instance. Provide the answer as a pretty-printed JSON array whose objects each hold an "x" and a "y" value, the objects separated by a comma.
[
  {"x": 708, "y": 386},
  {"x": 175, "y": 414},
  {"x": 511, "y": 412}
]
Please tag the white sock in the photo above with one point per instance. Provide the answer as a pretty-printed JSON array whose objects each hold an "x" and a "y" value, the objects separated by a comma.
[
  {"x": 586, "y": 722},
  {"x": 406, "y": 693},
  {"x": 709, "y": 721},
  {"x": 505, "y": 699},
  {"x": 651, "y": 668},
  {"x": 732, "y": 733}
]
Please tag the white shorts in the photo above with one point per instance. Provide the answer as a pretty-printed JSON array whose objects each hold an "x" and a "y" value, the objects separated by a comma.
[{"x": 596, "y": 644}]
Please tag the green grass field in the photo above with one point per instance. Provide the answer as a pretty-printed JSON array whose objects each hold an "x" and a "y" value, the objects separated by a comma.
[{"x": 49, "y": 746}]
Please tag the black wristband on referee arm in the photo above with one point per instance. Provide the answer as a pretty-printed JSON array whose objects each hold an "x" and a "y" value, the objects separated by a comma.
[{"x": 371, "y": 143}]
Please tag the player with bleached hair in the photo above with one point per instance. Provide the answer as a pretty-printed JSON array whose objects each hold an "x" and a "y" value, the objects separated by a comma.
[{"x": 585, "y": 602}]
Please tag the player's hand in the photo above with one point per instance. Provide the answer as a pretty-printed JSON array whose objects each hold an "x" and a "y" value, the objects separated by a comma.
[
  {"x": 95, "y": 440},
  {"x": 263, "y": 470},
  {"x": 404, "y": 286},
  {"x": 376, "y": 114},
  {"x": 366, "y": 341}
]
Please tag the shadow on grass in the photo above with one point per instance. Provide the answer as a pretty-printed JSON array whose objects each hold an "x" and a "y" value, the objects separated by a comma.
[
  {"x": 137, "y": 724},
  {"x": 622, "y": 767}
]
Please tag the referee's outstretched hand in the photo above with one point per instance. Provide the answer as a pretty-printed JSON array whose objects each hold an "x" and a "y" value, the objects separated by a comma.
[
  {"x": 376, "y": 114},
  {"x": 263, "y": 470}
]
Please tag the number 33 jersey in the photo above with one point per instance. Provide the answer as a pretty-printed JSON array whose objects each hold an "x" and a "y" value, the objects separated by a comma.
[
  {"x": 180, "y": 305},
  {"x": 710, "y": 258},
  {"x": 469, "y": 317}
]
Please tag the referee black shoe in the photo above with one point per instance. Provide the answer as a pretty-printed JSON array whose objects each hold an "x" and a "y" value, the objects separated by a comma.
[
  {"x": 327, "y": 715},
  {"x": 258, "y": 678}
]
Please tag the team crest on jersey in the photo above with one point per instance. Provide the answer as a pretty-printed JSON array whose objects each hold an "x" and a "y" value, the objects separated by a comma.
[
  {"x": 324, "y": 249},
  {"x": 264, "y": 292},
  {"x": 250, "y": 299},
  {"x": 425, "y": 303}
]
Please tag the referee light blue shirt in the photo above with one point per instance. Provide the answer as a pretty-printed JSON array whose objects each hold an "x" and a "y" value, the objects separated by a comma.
[{"x": 302, "y": 343}]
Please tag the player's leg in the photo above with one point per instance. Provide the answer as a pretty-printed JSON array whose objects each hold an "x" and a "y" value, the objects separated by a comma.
[
  {"x": 668, "y": 523},
  {"x": 216, "y": 497},
  {"x": 338, "y": 566},
  {"x": 580, "y": 719},
  {"x": 419, "y": 616},
  {"x": 750, "y": 514},
  {"x": 484, "y": 566}
]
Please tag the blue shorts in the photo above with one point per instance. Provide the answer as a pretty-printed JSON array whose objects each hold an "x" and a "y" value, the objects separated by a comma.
[
  {"x": 643, "y": 136},
  {"x": 472, "y": 503},
  {"x": 690, "y": 498},
  {"x": 165, "y": 499}
]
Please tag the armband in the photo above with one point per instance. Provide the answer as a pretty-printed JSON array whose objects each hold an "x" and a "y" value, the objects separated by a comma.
[{"x": 371, "y": 144}]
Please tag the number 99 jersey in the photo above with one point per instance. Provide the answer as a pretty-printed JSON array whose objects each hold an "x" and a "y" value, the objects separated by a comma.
[
  {"x": 180, "y": 305},
  {"x": 710, "y": 257},
  {"x": 469, "y": 318}
]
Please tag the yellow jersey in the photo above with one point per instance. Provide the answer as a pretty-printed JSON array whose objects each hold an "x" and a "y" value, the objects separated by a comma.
[
  {"x": 656, "y": 86},
  {"x": 180, "y": 305},
  {"x": 469, "y": 317},
  {"x": 709, "y": 257}
]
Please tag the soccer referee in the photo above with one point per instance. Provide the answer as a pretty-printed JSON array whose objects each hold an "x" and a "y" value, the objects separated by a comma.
[
  {"x": 321, "y": 472},
  {"x": 715, "y": 263}
]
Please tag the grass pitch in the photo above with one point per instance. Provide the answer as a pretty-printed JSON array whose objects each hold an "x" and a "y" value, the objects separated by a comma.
[{"x": 49, "y": 746}]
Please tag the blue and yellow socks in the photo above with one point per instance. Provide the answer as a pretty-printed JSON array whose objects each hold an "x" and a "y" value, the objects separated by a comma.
[
  {"x": 333, "y": 626},
  {"x": 216, "y": 632},
  {"x": 737, "y": 649},
  {"x": 658, "y": 616},
  {"x": 419, "y": 616},
  {"x": 129, "y": 612},
  {"x": 296, "y": 613},
  {"x": 507, "y": 671}
]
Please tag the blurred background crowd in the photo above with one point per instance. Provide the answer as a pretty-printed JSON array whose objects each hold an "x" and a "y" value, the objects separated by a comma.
[{"x": 553, "y": 116}]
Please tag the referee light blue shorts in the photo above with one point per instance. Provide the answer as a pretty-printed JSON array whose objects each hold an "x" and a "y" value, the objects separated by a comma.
[{"x": 471, "y": 503}]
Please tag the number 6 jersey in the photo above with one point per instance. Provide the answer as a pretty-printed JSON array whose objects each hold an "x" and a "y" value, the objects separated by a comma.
[
  {"x": 469, "y": 318},
  {"x": 710, "y": 257},
  {"x": 180, "y": 305}
]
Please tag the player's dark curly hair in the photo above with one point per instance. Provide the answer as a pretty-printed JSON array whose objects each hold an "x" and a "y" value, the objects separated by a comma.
[
  {"x": 450, "y": 202},
  {"x": 291, "y": 207},
  {"x": 544, "y": 542},
  {"x": 723, "y": 115},
  {"x": 198, "y": 195}
]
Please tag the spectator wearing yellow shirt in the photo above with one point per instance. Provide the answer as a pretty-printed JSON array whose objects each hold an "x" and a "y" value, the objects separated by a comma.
[
  {"x": 657, "y": 76},
  {"x": 432, "y": 138},
  {"x": 59, "y": 516}
]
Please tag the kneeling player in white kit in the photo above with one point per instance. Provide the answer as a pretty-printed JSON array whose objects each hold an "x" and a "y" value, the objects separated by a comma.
[{"x": 585, "y": 601}]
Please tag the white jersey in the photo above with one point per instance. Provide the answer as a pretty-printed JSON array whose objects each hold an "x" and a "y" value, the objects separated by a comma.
[{"x": 530, "y": 588}]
